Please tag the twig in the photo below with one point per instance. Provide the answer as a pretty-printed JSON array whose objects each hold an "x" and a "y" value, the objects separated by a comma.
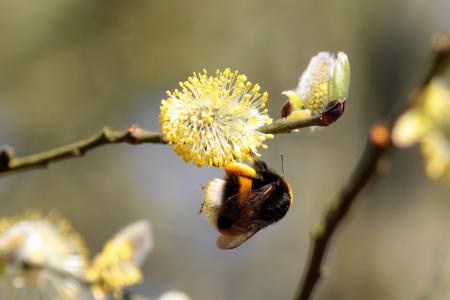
[
  {"x": 135, "y": 135},
  {"x": 377, "y": 145},
  {"x": 332, "y": 112},
  {"x": 322, "y": 234},
  {"x": 129, "y": 295},
  {"x": 125, "y": 295}
]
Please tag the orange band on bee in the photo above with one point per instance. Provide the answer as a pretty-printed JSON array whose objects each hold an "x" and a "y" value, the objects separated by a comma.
[
  {"x": 245, "y": 186},
  {"x": 238, "y": 169},
  {"x": 291, "y": 194}
]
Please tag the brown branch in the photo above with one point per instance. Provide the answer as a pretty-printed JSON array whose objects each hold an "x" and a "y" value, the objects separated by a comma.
[
  {"x": 133, "y": 135},
  {"x": 377, "y": 145},
  {"x": 136, "y": 135},
  {"x": 129, "y": 295},
  {"x": 321, "y": 236}
]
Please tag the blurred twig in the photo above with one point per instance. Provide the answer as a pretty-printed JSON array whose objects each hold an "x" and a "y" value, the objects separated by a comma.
[
  {"x": 125, "y": 295},
  {"x": 128, "y": 295},
  {"x": 377, "y": 145},
  {"x": 135, "y": 135}
]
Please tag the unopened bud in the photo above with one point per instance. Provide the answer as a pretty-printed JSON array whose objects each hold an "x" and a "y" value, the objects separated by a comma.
[
  {"x": 6, "y": 154},
  {"x": 332, "y": 112},
  {"x": 380, "y": 135},
  {"x": 339, "y": 83},
  {"x": 326, "y": 78},
  {"x": 286, "y": 109}
]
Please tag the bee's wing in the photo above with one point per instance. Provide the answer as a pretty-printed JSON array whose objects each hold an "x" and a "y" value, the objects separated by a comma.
[
  {"x": 262, "y": 193},
  {"x": 247, "y": 224},
  {"x": 229, "y": 242},
  {"x": 253, "y": 200},
  {"x": 256, "y": 196}
]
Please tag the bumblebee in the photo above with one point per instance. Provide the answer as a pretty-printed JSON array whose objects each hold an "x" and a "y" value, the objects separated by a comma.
[{"x": 248, "y": 199}]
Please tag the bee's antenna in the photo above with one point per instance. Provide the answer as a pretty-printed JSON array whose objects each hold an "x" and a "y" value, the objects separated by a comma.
[{"x": 282, "y": 164}]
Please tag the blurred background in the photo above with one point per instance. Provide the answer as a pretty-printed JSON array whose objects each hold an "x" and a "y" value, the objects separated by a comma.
[{"x": 70, "y": 67}]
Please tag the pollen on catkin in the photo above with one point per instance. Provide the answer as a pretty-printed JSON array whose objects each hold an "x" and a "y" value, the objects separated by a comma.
[
  {"x": 326, "y": 78},
  {"x": 213, "y": 120},
  {"x": 118, "y": 265},
  {"x": 40, "y": 257}
]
